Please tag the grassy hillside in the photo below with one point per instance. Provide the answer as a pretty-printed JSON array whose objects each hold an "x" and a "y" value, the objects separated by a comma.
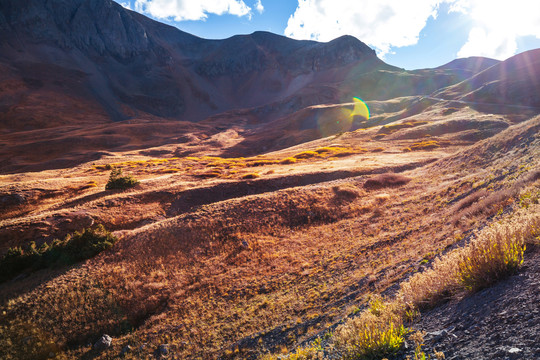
[{"x": 240, "y": 257}]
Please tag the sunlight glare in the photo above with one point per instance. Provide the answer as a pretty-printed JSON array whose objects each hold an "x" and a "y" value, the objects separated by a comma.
[{"x": 360, "y": 108}]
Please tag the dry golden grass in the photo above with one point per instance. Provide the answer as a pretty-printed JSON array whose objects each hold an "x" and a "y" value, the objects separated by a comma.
[
  {"x": 378, "y": 332},
  {"x": 311, "y": 352},
  {"x": 89, "y": 185},
  {"x": 424, "y": 145},
  {"x": 217, "y": 273},
  {"x": 202, "y": 283},
  {"x": 219, "y": 167},
  {"x": 392, "y": 128},
  {"x": 495, "y": 253}
]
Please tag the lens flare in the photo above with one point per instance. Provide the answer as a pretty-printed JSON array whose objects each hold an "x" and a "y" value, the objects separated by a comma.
[
  {"x": 339, "y": 118},
  {"x": 360, "y": 108}
]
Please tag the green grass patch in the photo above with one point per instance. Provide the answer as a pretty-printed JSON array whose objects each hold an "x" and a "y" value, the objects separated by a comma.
[{"x": 74, "y": 248}]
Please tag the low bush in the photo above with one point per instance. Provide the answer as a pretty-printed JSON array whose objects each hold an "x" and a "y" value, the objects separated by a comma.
[
  {"x": 289, "y": 160},
  {"x": 377, "y": 333},
  {"x": 345, "y": 193},
  {"x": 484, "y": 202},
  {"x": 471, "y": 199},
  {"x": 386, "y": 180},
  {"x": 499, "y": 255},
  {"x": 88, "y": 185},
  {"x": 75, "y": 247},
  {"x": 251, "y": 176},
  {"x": 118, "y": 181},
  {"x": 209, "y": 174},
  {"x": 263, "y": 162}
]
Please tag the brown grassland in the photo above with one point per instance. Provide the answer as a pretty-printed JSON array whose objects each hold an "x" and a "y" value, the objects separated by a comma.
[{"x": 344, "y": 239}]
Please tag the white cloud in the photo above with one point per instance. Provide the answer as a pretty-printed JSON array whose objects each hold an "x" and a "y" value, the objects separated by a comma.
[
  {"x": 259, "y": 6},
  {"x": 498, "y": 25},
  {"x": 386, "y": 24},
  {"x": 382, "y": 24},
  {"x": 126, "y": 5},
  {"x": 494, "y": 44},
  {"x": 180, "y": 10}
]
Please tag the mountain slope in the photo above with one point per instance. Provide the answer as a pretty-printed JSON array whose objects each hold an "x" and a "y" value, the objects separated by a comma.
[
  {"x": 93, "y": 61},
  {"x": 515, "y": 81},
  {"x": 125, "y": 64}
]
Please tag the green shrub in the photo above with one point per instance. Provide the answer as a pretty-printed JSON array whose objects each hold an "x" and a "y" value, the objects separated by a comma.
[
  {"x": 118, "y": 181},
  {"x": 378, "y": 332},
  {"x": 370, "y": 340},
  {"x": 75, "y": 247},
  {"x": 88, "y": 243}
]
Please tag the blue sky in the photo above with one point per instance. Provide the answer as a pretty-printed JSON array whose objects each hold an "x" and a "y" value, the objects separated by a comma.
[{"x": 411, "y": 34}]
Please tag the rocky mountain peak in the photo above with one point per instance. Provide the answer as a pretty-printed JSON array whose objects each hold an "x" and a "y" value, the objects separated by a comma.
[{"x": 94, "y": 26}]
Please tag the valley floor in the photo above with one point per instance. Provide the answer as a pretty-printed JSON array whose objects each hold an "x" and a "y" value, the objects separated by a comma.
[{"x": 222, "y": 257}]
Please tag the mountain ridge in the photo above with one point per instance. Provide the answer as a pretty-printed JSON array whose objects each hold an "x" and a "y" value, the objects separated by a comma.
[{"x": 131, "y": 66}]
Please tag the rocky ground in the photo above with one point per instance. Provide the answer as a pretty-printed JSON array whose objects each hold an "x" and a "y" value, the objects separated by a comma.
[{"x": 501, "y": 322}]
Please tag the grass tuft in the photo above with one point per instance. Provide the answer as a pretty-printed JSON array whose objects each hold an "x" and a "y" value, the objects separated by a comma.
[
  {"x": 424, "y": 145},
  {"x": 313, "y": 351},
  {"x": 499, "y": 255},
  {"x": 377, "y": 333}
]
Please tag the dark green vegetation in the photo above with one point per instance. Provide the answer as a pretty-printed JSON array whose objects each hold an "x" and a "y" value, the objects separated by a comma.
[
  {"x": 74, "y": 248},
  {"x": 118, "y": 181}
]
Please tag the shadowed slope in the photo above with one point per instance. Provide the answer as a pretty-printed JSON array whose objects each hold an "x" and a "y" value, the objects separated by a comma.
[{"x": 515, "y": 81}]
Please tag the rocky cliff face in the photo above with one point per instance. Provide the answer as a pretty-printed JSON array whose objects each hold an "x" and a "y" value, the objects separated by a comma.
[{"x": 93, "y": 26}]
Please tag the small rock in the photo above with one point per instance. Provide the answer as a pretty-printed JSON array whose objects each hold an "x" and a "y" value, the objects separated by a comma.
[
  {"x": 164, "y": 349},
  {"x": 51, "y": 354},
  {"x": 514, "y": 353},
  {"x": 125, "y": 350},
  {"x": 18, "y": 199},
  {"x": 103, "y": 343}
]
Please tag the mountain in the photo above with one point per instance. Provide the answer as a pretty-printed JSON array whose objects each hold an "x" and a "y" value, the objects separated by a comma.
[
  {"x": 468, "y": 67},
  {"x": 167, "y": 196},
  {"x": 93, "y": 61},
  {"x": 515, "y": 81},
  {"x": 472, "y": 65},
  {"x": 118, "y": 64}
]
